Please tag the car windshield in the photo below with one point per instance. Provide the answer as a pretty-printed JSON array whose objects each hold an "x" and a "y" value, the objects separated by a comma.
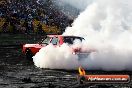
[
  {"x": 46, "y": 40},
  {"x": 70, "y": 40}
]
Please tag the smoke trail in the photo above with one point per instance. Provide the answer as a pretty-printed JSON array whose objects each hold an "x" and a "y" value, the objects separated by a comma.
[{"x": 106, "y": 27}]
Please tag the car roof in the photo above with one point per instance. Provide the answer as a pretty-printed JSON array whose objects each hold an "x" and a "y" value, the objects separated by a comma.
[
  {"x": 62, "y": 35},
  {"x": 53, "y": 35}
]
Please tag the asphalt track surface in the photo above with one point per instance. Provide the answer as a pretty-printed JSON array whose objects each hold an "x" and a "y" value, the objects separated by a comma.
[{"x": 18, "y": 72}]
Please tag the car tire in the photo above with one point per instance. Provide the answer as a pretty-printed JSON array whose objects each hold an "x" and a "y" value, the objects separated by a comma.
[
  {"x": 81, "y": 80},
  {"x": 29, "y": 54}
]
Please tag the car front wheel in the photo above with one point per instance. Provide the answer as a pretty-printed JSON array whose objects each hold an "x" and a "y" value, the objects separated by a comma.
[{"x": 29, "y": 54}]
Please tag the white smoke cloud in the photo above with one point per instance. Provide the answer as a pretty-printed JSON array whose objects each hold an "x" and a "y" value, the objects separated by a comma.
[
  {"x": 106, "y": 26},
  {"x": 56, "y": 58}
]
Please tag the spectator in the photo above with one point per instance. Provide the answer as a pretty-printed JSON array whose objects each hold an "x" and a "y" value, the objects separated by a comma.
[{"x": 16, "y": 10}]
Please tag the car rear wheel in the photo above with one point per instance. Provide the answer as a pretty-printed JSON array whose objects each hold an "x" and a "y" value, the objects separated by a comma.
[{"x": 29, "y": 54}]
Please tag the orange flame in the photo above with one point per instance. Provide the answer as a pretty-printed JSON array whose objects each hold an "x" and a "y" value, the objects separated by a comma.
[{"x": 81, "y": 71}]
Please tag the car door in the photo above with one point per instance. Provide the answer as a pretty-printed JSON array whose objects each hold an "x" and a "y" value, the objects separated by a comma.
[{"x": 43, "y": 43}]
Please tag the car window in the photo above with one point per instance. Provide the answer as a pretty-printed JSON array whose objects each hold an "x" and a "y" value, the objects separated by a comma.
[
  {"x": 46, "y": 40},
  {"x": 54, "y": 41},
  {"x": 70, "y": 40}
]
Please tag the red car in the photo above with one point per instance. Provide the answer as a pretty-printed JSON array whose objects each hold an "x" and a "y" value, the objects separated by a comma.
[{"x": 57, "y": 40}]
